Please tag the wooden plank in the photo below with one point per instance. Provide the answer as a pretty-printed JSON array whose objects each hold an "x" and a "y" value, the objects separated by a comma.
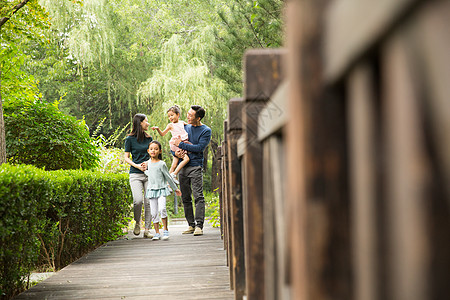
[
  {"x": 354, "y": 26},
  {"x": 184, "y": 267},
  {"x": 362, "y": 127},
  {"x": 277, "y": 146},
  {"x": 406, "y": 194},
  {"x": 274, "y": 116},
  {"x": 270, "y": 285},
  {"x": 241, "y": 145},
  {"x": 236, "y": 209},
  {"x": 274, "y": 220}
]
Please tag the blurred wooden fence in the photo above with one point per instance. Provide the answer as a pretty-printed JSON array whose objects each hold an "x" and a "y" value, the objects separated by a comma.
[{"x": 335, "y": 163}]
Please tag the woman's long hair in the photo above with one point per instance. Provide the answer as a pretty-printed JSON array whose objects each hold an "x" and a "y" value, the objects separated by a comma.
[
  {"x": 136, "y": 130},
  {"x": 160, "y": 148}
]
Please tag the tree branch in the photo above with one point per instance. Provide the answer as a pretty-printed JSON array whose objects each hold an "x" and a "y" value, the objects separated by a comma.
[
  {"x": 15, "y": 9},
  {"x": 251, "y": 25}
]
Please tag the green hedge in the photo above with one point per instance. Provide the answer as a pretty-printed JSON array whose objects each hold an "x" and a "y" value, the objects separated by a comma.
[{"x": 48, "y": 219}]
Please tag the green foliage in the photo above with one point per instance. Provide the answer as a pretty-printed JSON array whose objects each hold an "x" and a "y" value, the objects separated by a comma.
[
  {"x": 48, "y": 219},
  {"x": 38, "y": 133},
  {"x": 28, "y": 22},
  {"x": 246, "y": 25},
  {"x": 111, "y": 161},
  {"x": 24, "y": 196},
  {"x": 16, "y": 84},
  {"x": 212, "y": 208}
]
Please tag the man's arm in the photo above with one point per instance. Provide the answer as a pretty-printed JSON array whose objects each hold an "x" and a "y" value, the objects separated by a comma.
[{"x": 203, "y": 141}]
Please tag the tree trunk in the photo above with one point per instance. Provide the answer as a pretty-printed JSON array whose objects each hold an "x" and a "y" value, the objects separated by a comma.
[
  {"x": 2, "y": 128},
  {"x": 205, "y": 159}
]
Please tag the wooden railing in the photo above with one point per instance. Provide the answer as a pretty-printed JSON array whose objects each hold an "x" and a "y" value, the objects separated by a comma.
[{"x": 336, "y": 161}]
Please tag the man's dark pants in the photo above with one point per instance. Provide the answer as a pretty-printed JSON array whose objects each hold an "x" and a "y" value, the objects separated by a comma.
[{"x": 191, "y": 182}]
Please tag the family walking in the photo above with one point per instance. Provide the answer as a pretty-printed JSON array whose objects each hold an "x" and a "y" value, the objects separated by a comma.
[{"x": 150, "y": 179}]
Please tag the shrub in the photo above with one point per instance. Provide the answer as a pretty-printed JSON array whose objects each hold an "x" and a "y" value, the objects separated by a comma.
[
  {"x": 39, "y": 134},
  {"x": 23, "y": 195},
  {"x": 212, "y": 210},
  {"x": 51, "y": 218}
]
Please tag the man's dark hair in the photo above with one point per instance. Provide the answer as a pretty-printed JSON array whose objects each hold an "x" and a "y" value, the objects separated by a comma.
[{"x": 199, "y": 111}]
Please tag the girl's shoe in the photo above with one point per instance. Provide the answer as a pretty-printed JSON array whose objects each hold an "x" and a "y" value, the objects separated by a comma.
[
  {"x": 156, "y": 237},
  {"x": 165, "y": 235},
  {"x": 147, "y": 234}
]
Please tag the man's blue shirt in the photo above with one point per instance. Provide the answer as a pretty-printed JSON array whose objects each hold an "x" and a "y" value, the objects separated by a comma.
[{"x": 199, "y": 136}]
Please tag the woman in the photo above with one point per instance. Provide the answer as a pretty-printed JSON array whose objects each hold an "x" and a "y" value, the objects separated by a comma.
[{"x": 136, "y": 144}]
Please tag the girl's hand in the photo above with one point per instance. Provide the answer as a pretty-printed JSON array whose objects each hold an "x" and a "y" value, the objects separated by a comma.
[
  {"x": 180, "y": 153},
  {"x": 178, "y": 192},
  {"x": 155, "y": 127},
  {"x": 143, "y": 166}
]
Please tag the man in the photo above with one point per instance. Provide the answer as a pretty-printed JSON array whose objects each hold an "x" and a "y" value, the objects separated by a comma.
[{"x": 191, "y": 175}]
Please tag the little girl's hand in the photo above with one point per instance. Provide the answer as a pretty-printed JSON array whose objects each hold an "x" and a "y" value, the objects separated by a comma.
[
  {"x": 155, "y": 127},
  {"x": 178, "y": 192}
]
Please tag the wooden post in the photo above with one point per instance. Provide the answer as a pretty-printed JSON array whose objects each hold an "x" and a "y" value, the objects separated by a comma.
[
  {"x": 406, "y": 180},
  {"x": 317, "y": 164},
  {"x": 228, "y": 212},
  {"x": 362, "y": 130},
  {"x": 295, "y": 132},
  {"x": 237, "y": 269},
  {"x": 221, "y": 180},
  {"x": 262, "y": 76},
  {"x": 224, "y": 201}
]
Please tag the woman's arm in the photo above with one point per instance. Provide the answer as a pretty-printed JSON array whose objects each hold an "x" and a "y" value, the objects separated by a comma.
[{"x": 126, "y": 157}]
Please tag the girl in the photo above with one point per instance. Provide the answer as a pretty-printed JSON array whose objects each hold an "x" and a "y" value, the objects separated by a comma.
[
  {"x": 157, "y": 188},
  {"x": 136, "y": 144},
  {"x": 176, "y": 128}
]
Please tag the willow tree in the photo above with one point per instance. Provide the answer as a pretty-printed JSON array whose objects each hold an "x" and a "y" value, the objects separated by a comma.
[
  {"x": 185, "y": 77},
  {"x": 87, "y": 31}
]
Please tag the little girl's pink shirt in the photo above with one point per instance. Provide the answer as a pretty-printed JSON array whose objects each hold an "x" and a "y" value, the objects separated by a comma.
[{"x": 177, "y": 130}]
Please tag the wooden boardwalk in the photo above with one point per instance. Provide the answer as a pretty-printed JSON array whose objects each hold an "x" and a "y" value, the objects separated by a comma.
[{"x": 184, "y": 267}]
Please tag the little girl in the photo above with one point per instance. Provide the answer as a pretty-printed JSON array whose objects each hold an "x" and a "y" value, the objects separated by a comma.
[
  {"x": 157, "y": 188},
  {"x": 176, "y": 128}
]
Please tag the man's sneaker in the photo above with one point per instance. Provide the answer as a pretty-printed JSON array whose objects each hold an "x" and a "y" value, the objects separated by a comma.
[
  {"x": 165, "y": 235},
  {"x": 198, "y": 231},
  {"x": 156, "y": 237},
  {"x": 147, "y": 234},
  {"x": 189, "y": 230},
  {"x": 174, "y": 177},
  {"x": 137, "y": 229}
]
